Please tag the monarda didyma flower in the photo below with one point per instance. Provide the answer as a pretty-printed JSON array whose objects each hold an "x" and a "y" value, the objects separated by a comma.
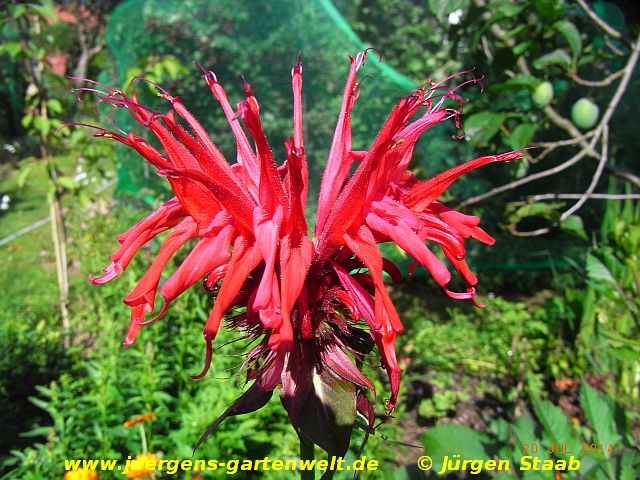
[{"x": 317, "y": 304}]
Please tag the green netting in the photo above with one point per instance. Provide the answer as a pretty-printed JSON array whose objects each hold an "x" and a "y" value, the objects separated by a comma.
[{"x": 261, "y": 41}]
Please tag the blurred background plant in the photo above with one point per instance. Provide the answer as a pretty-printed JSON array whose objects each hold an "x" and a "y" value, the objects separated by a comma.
[{"x": 558, "y": 341}]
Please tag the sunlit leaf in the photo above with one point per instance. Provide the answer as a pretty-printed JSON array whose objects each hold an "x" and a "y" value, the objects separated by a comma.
[
  {"x": 557, "y": 57},
  {"x": 571, "y": 34}
]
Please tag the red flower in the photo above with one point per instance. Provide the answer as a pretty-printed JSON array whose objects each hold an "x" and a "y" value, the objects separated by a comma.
[{"x": 319, "y": 303}]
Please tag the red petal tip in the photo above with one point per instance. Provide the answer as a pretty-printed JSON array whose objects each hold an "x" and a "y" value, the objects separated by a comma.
[
  {"x": 110, "y": 272},
  {"x": 207, "y": 359}
]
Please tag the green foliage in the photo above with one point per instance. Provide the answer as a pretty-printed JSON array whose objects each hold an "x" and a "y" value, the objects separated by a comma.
[
  {"x": 610, "y": 323},
  {"x": 512, "y": 343},
  {"x": 604, "y": 443}
]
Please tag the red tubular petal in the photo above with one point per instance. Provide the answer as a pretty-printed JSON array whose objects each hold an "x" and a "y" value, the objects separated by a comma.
[
  {"x": 346, "y": 300},
  {"x": 364, "y": 247},
  {"x": 137, "y": 314},
  {"x": 467, "y": 225},
  {"x": 348, "y": 210},
  {"x": 423, "y": 193},
  {"x": 234, "y": 200},
  {"x": 338, "y": 163},
  {"x": 294, "y": 265},
  {"x": 207, "y": 358},
  {"x": 296, "y": 86},
  {"x": 296, "y": 186},
  {"x": 145, "y": 290},
  {"x": 411, "y": 243},
  {"x": 384, "y": 338},
  {"x": 244, "y": 258},
  {"x": 266, "y": 231},
  {"x": 111, "y": 271},
  {"x": 167, "y": 216},
  {"x": 246, "y": 157},
  {"x": 468, "y": 295},
  {"x": 271, "y": 192},
  {"x": 208, "y": 254},
  {"x": 341, "y": 364}
]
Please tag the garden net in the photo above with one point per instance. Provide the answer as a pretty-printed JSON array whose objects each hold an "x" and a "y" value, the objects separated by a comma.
[{"x": 260, "y": 41}]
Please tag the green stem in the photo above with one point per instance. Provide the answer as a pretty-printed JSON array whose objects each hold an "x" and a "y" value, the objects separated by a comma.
[
  {"x": 143, "y": 439},
  {"x": 306, "y": 453}
]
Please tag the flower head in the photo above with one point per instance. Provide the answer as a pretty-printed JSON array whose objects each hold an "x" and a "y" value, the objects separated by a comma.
[
  {"x": 145, "y": 417},
  {"x": 142, "y": 466},
  {"x": 318, "y": 304},
  {"x": 81, "y": 474}
]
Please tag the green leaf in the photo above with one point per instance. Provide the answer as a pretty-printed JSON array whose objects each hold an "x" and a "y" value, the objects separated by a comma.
[
  {"x": 508, "y": 9},
  {"x": 54, "y": 105},
  {"x": 520, "y": 48},
  {"x": 597, "y": 271},
  {"x": 626, "y": 354},
  {"x": 329, "y": 413},
  {"x": 557, "y": 57},
  {"x": 481, "y": 127},
  {"x": 12, "y": 48},
  {"x": 401, "y": 473},
  {"x": 26, "y": 120},
  {"x": 67, "y": 182},
  {"x": 571, "y": 34},
  {"x": 516, "y": 83},
  {"x": 573, "y": 224},
  {"x": 620, "y": 340},
  {"x": 23, "y": 175},
  {"x": 600, "y": 412},
  {"x": 535, "y": 209},
  {"x": 42, "y": 125},
  {"x": 521, "y": 135},
  {"x": 629, "y": 468},
  {"x": 556, "y": 425},
  {"x": 450, "y": 440},
  {"x": 548, "y": 10},
  {"x": 524, "y": 429}
]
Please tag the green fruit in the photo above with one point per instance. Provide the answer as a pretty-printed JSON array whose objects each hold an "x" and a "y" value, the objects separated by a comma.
[
  {"x": 584, "y": 113},
  {"x": 542, "y": 95}
]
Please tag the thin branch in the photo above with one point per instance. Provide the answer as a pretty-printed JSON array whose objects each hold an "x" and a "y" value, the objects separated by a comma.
[
  {"x": 531, "y": 233},
  {"x": 588, "y": 149},
  {"x": 622, "y": 86},
  {"x": 530, "y": 178},
  {"x": 597, "y": 83},
  {"x": 562, "y": 143},
  {"x": 552, "y": 146},
  {"x": 624, "y": 174},
  {"x": 568, "y": 126},
  {"x": 598, "y": 21},
  {"x": 576, "y": 196},
  {"x": 604, "y": 156}
]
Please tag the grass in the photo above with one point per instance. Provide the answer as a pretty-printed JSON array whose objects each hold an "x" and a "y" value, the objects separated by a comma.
[
  {"x": 30, "y": 257},
  {"x": 28, "y": 278}
]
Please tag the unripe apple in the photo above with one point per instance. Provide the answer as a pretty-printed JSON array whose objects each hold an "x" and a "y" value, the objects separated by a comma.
[
  {"x": 542, "y": 95},
  {"x": 584, "y": 113}
]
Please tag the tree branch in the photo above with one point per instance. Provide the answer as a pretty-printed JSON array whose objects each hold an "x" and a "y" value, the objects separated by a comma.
[
  {"x": 597, "y": 83},
  {"x": 598, "y": 21},
  {"x": 587, "y": 149},
  {"x": 576, "y": 196},
  {"x": 604, "y": 156},
  {"x": 530, "y": 178}
]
